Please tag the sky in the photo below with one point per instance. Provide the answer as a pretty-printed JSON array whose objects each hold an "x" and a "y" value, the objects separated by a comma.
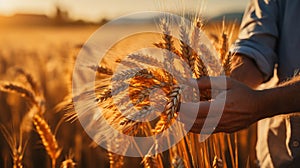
[{"x": 94, "y": 10}]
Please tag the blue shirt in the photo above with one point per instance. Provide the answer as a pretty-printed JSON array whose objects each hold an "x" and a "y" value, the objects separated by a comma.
[{"x": 270, "y": 35}]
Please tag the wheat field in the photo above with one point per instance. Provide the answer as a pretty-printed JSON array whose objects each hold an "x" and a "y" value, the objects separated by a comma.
[{"x": 40, "y": 129}]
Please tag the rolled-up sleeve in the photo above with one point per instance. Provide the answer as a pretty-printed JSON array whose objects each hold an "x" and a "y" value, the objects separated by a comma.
[{"x": 258, "y": 35}]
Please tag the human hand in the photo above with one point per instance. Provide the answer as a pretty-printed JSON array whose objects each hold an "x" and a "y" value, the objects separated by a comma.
[{"x": 242, "y": 107}]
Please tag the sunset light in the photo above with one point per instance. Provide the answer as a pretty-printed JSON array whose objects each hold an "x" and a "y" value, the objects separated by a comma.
[{"x": 93, "y": 10}]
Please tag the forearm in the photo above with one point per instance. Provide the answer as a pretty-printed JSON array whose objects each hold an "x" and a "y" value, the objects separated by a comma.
[
  {"x": 283, "y": 99},
  {"x": 246, "y": 71}
]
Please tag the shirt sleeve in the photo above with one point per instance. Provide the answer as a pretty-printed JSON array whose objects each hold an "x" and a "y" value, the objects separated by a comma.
[{"x": 258, "y": 35}]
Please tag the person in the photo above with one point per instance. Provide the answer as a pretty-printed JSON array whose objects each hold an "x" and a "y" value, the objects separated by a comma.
[{"x": 269, "y": 36}]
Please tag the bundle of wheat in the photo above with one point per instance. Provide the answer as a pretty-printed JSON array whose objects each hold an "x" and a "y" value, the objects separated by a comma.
[{"x": 125, "y": 96}]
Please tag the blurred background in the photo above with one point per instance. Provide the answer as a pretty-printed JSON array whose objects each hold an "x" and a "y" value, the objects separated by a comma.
[
  {"x": 97, "y": 10},
  {"x": 44, "y": 36}
]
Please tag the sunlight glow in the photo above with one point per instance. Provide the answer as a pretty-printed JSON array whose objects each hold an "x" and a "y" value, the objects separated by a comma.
[{"x": 93, "y": 10}]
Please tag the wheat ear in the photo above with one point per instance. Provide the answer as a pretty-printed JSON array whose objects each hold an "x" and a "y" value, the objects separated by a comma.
[
  {"x": 101, "y": 69},
  {"x": 16, "y": 149},
  {"x": 225, "y": 54},
  {"x": 130, "y": 73},
  {"x": 48, "y": 139},
  {"x": 145, "y": 59},
  {"x": 170, "y": 109},
  {"x": 30, "y": 80},
  {"x": 28, "y": 94},
  {"x": 15, "y": 88},
  {"x": 129, "y": 63},
  {"x": 168, "y": 42}
]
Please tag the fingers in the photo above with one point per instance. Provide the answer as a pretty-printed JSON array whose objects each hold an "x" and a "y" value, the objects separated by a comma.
[
  {"x": 214, "y": 83},
  {"x": 192, "y": 110},
  {"x": 202, "y": 117},
  {"x": 189, "y": 114}
]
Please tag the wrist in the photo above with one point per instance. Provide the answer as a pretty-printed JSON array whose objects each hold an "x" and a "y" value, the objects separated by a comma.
[{"x": 267, "y": 103}]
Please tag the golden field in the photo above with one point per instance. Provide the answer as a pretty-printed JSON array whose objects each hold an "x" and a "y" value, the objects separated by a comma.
[{"x": 47, "y": 53}]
